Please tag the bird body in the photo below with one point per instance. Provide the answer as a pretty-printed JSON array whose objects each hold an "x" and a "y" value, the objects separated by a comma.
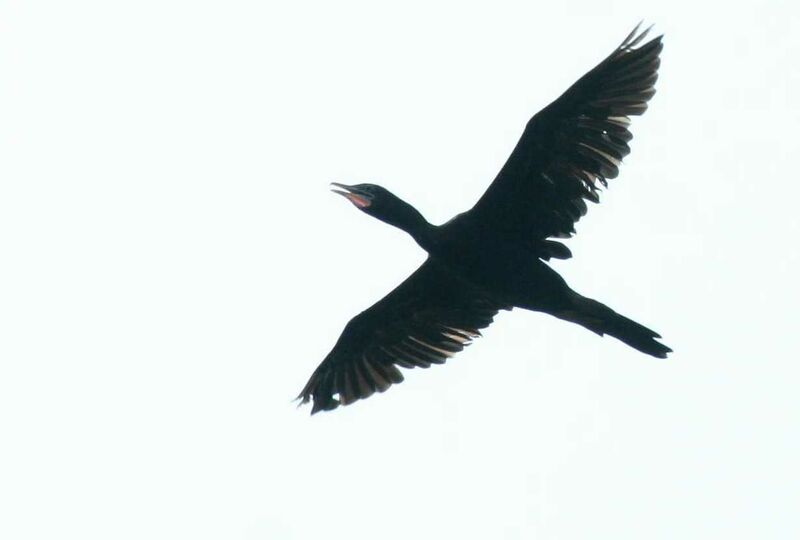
[
  {"x": 503, "y": 269},
  {"x": 493, "y": 257}
]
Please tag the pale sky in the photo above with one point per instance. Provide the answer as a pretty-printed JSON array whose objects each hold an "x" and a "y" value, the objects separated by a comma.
[{"x": 174, "y": 267}]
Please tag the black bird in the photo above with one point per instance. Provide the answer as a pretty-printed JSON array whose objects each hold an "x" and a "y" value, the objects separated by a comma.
[{"x": 492, "y": 256}]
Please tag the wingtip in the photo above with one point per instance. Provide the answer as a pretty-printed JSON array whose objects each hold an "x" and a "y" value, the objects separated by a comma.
[
  {"x": 635, "y": 36},
  {"x": 301, "y": 400},
  {"x": 663, "y": 351},
  {"x": 317, "y": 402},
  {"x": 320, "y": 405},
  {"x": 632, "y": 33}
]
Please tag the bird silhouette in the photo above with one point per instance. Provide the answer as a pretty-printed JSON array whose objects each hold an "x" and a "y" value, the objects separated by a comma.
[{"x": 492, "y": 257}]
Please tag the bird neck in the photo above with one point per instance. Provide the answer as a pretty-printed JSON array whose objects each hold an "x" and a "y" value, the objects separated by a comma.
[
  {"x": 408, "y": 218},
  {"x": 423, "y": 233}
]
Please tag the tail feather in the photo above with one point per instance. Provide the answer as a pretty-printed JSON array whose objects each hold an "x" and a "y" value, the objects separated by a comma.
[{"x": 601, "y": 320}]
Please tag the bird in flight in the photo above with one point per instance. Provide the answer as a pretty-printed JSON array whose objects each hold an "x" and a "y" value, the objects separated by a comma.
[{"x": 492, "y": 257}]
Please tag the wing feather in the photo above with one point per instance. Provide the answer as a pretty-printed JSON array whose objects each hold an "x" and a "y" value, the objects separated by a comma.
[
  {"x": 571, "y": 146},
  {"x": 427, "y": 319}
]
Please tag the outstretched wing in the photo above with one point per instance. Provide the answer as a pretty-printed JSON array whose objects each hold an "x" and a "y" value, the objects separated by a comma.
[
  {"x": 428, "y": 318},
  {"x": 570, "y": 145}
]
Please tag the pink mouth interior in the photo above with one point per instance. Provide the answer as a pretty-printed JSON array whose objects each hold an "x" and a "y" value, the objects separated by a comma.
[{"x": 360, "y": 202}]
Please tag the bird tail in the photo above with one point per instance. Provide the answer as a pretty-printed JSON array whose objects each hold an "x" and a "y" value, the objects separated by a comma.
[{"x": 601, "y": 320}]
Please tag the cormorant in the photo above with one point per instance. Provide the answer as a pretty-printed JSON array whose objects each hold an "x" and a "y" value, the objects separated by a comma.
[{"x": 492, "y": 256}]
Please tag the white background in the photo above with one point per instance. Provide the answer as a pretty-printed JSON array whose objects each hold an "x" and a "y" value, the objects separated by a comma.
[{"x": 174, "y": 267}]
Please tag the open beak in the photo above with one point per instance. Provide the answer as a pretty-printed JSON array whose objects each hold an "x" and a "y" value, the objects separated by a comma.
[{"x": 353, "y": 194}]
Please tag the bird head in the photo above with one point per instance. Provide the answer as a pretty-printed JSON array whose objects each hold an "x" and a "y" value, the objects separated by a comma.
[
  {"x": 380, "y": 203},
  {"x": 369, "y": 198}
]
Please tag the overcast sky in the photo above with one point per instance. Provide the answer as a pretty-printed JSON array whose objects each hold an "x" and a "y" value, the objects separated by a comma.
[{"x": 174, "y": 267}]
